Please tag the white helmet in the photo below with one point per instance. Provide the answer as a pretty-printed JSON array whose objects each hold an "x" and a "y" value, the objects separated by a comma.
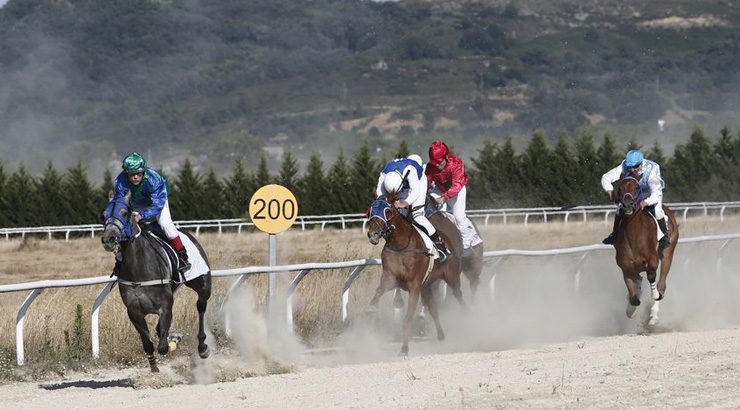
[
  {"x": 393, "y": 182},
  {"x": 416, "y": 158}
]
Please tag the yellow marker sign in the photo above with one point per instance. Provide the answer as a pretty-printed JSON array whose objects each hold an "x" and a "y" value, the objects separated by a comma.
[{"x": 273, "y": 208}]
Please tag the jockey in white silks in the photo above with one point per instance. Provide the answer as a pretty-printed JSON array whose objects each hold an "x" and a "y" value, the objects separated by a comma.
[
  {"x": 405, "y": 177},
  {"x": 648, "y": 174}
]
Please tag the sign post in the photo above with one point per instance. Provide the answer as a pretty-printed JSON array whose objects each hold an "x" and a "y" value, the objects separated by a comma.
[{"x": 273, "y": 209}]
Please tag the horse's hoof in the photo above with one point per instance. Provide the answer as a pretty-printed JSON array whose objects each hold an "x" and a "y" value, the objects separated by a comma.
[
  {"x": 404, "y": 351},
  {"x": 441, "y": 336},
  {"x": 155, "y": 368},
  {"x": 656, "y": 294},
  {"x": 631, "y": 311},
  {"x": 205, "y": 352},
  {"x": 660, "y": 296}
]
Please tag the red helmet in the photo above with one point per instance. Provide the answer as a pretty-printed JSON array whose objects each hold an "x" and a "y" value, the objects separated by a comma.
[{"x": 437, "y": 152}]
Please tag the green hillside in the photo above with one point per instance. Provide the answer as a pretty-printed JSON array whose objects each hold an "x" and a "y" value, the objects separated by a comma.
[{"x": 218, "y": 79}]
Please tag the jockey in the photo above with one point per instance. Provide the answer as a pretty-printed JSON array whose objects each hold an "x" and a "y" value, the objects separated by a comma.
[
  {"x": 405, "y": 176},
  {"x": 648, "y": 174},
  {"x": 148, "y": 201},
  {"x": 447, "y": 173}
]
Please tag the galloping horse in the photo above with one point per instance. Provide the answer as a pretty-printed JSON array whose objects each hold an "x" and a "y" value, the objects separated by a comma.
[
  {"x": 407, "y": 264},
  {"x": 637, "y": 246},
  {"x": 145, "y": 279}
]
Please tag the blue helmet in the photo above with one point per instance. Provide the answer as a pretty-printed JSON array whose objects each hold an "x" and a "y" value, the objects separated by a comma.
[{"x": 634, "y": 158}]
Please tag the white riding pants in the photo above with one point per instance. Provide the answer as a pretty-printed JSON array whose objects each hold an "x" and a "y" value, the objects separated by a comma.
[{"x": 456, "y": 206}]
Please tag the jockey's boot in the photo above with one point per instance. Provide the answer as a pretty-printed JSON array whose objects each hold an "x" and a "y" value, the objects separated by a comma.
[
  {"x": 664, "y": 241},
  {"x": 182, "y": 254},
  {"x": 440, "y": 245},
  {"x": 612, "y": 238}
]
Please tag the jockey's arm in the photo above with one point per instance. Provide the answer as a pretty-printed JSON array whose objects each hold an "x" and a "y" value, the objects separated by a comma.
[
  {"x": 119, "y": 190},
  {"x": 458, "y": 177},
  {"x": 656, "y": 188},
  {"x": 379, "y": 189},
  {"x": 159, "y": 198},
  {"x": 611, "y": 177}
]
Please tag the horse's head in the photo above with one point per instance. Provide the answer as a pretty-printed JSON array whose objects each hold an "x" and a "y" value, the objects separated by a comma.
[
  {"x": 117, "y": 226},
  {"x": 379, "y": 220},
  {"x": 630, "y": 194}
]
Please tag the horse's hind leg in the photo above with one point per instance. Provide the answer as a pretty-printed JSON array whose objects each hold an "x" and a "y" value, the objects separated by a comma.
[
  {"x": 427, "y": 298},
  {"x": 202, "y": 286},
  {"x": 453, "y": 281},
  {"x": 139, "y": 322}
]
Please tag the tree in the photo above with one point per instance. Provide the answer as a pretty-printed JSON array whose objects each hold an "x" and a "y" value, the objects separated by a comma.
[
  {"x": 213, "y": 206},
  {"x": 81, "y": 204},
  {"x": 316, "y": 197},
  {"x": 403, "y": 150},
  {"x": 587, "y": 174},
  {"x": 289, "y": 172},
  {"x": 563, "y": 180},
  {"x": 238, "y": 190},
  {"x": 50, "y": 206},
  {"x": 363, "y": 179},
  {"x": 106, "y": 189},
  {"x": 263, "y": 176},
  {"x": 535, "y": 173},
  {"x": 483, "y": 176},
  {"x": 340, "y": 186},
  {"x": 19, "y": 199},
  {"x": 607, "y": 155},
  {"x": 186, "y": 195},
  {"x": 4, "y": 216}
]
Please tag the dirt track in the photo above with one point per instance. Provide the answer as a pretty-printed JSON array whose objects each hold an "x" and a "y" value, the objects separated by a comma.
[
  {"x": 527, "y": 349},
  {"x": 669, "y": 370}
]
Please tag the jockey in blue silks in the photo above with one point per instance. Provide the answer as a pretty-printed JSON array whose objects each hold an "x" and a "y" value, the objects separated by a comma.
[
  {"x": 148, "y": 201},
  {"x": 648, "y": 174},
  {"x": 405, "y": 177}
]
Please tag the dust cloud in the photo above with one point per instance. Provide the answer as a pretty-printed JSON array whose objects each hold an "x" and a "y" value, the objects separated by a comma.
[{"x": 548, "y": 300}]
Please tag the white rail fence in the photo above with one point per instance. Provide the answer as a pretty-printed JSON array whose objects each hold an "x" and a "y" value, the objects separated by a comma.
[
  {"x": 302, "y": 270},
  {"x": 344, "y": 221}
]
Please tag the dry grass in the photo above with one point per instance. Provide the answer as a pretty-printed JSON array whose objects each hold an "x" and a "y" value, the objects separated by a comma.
[{"x": 317, "y": 308}]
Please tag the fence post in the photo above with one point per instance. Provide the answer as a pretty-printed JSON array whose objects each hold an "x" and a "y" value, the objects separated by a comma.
[
  {"x": 94, "y": 327},
  {"x": 345, "y": 291},
  {"x": 19, "y": 319},
  {"x": 289, "y": 298}
]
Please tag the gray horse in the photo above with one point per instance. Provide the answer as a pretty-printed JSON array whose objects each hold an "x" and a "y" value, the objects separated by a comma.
[{"x": 145, "y": 279}]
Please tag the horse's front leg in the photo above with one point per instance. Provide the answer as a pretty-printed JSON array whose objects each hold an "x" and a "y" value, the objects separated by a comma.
[
  {"x": 139, "y": 321},
  {"x": 633, "y": 295},
  {"x": 411, "y": 309},
  {"x": 387, "y": 282},
  {"x": 163, "y": 327},
  {"x": 651, "y": 274}
]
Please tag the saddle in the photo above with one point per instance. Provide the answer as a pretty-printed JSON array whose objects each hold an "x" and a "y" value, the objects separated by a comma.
[{"x": 155, "y": 232}]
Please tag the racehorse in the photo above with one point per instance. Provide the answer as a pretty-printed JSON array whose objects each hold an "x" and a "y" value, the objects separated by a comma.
[
  {"x": 145, "y": 279},
  {"x": 407, "y": 265},
  {"x": 637, "y": 246}
]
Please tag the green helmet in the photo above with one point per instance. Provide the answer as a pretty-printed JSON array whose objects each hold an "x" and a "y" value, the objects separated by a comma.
[{"x": 133, "y": 163}]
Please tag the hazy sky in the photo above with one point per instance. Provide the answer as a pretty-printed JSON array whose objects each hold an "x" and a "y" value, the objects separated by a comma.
[{"x": 2, "y": 2}]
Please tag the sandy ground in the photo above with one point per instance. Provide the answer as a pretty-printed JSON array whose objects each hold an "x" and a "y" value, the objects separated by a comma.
[
  {"x": 669, "y": 370},
  {"x": 542, "y": 340}
]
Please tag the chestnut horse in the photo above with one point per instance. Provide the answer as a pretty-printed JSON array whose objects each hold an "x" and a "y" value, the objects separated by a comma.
[
  {"x": 405, "y": 261},
  {"x": 637, "y": 246}
]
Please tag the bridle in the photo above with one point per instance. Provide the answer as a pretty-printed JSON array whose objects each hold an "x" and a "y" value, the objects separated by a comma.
[{"x": 629, "y": 197}]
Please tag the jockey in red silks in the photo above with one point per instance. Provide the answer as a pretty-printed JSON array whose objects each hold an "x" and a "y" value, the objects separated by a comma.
[
  {"x": 647, "y": 174},
  {"x": 405, "y": 178},
  {"x": 447, "y": 179},
  {"x": 148, "y": 200}
]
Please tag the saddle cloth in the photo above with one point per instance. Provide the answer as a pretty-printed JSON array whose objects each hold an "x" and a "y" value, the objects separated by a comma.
[
  {"x": 657, "y": 227},
  {"x": 431, "y": 249},
  {"x": 197, "y": 260}
]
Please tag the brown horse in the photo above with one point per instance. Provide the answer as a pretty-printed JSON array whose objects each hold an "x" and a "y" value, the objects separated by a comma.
[
  {"x": 406, "y": 262},
  {"x": 637, "y": 246}
]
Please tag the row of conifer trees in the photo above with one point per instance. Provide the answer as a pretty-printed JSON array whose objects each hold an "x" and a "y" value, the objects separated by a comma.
[{"x": 543, "y": 174}]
